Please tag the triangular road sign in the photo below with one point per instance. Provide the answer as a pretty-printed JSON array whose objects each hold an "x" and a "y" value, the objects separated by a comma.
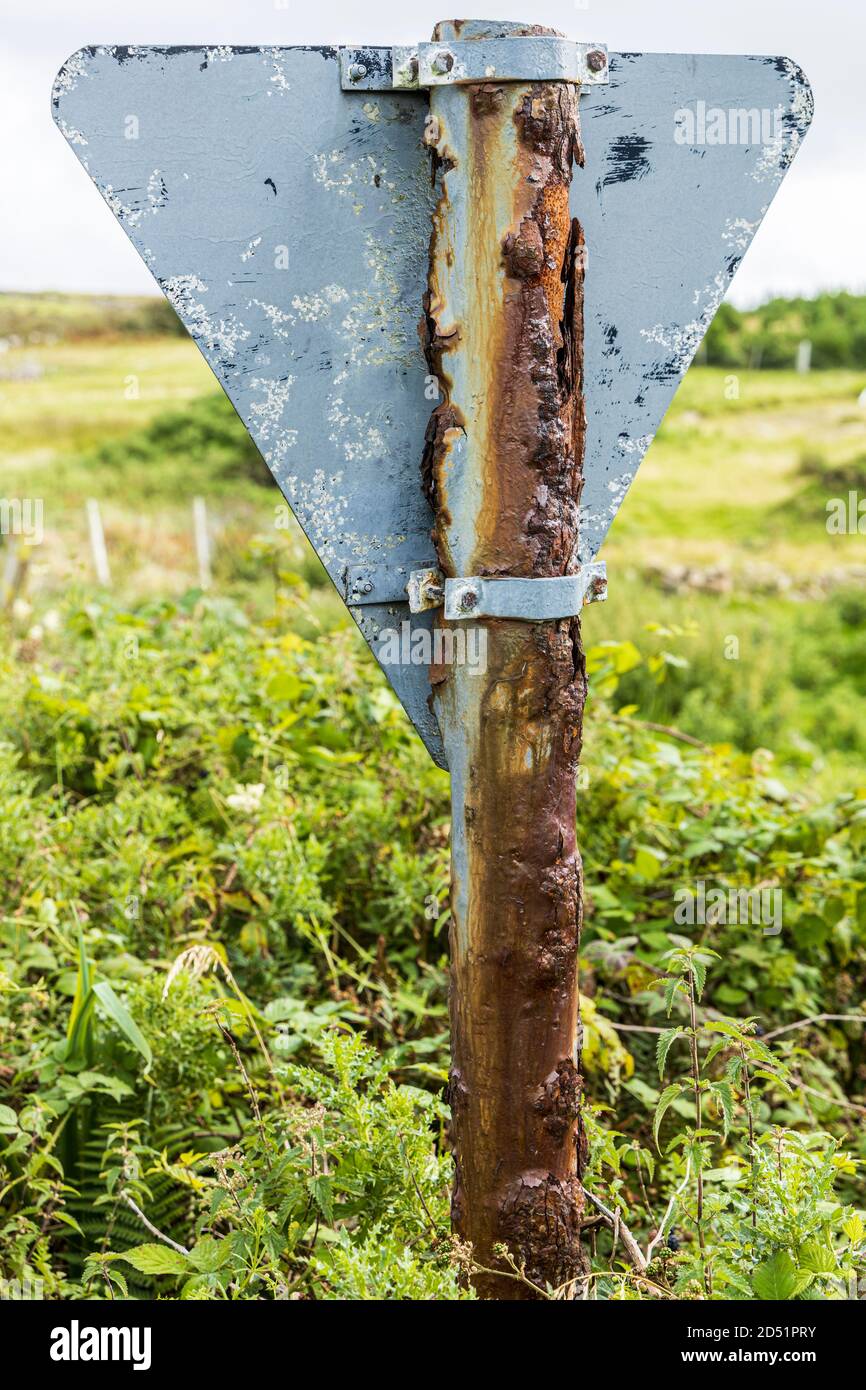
[{"x": 288, "y": 221}]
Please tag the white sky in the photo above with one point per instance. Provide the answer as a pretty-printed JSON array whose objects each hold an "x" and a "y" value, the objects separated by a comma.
[{"x": 813, "y": 238}]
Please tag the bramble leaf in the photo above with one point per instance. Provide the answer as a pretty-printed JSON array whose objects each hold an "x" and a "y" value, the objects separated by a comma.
[
  {"x": 776, "y": 1279},
  {"x": 155, "y": 1259}
]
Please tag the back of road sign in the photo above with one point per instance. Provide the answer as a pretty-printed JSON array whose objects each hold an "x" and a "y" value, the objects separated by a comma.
[{"x": 288, "y": 222}]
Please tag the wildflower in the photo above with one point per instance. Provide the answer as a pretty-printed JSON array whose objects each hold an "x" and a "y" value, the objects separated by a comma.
[{"x": 248, "y": 798}]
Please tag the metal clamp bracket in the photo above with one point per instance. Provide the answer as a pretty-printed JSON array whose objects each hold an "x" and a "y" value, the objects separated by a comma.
[
  {"x": 528, "y": 600},
  {"x": 519, "y": 58}
]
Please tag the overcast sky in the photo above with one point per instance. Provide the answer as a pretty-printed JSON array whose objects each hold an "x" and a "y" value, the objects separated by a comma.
[{"x": 56, "y": 233}]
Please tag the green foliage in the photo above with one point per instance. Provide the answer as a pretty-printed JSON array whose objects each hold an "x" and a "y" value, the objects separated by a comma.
[
  {"x": 382, "y": 1270},
  {"x": 187, "y": 1066},
  {"x": 229, "y": 826},
  {"x": 777, "y": 1279},
  {"x": 769, "y": 1228},
  {"x": 798, "y": 683},
  {"x": 223, "y": 858},
  {"x": 205, "y": 440},
  {"x": 662, "y": 821},
  {"x": 833, "y": 476},
  {"x": 835, "y": 324},
  {"x": 338, "y": 1191},
  {"x": 783, "y": 1235}
]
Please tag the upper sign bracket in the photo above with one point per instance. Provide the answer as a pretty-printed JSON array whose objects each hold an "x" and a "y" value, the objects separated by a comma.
[{"x": 513, "y": 58}]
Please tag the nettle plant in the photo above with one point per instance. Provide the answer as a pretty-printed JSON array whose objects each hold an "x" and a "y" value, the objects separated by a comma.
[{"x": 769, "y": 1229}]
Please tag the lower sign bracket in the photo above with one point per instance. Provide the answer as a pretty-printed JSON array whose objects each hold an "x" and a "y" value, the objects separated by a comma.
[{"x": 528, "y": 600}]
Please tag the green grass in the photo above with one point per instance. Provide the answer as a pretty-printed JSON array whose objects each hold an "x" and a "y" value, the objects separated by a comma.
[
  {"x": 713, "y": 487},
  {"x": 86, "y": 393}
]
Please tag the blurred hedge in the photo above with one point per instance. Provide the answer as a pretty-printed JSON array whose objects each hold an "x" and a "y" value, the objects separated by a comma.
[{"x": 835, "y": 324}]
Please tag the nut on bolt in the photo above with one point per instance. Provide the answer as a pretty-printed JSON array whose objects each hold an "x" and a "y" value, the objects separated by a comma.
[
  {"x": 357, "y": 71},
  {"x": 442, "y": 63},
  {"x": 596, "y": 60}
]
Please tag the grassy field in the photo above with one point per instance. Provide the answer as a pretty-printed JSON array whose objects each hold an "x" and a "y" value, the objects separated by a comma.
[
  {"x": 720, "y": 483},
  {"x": 724, "y": 537}
]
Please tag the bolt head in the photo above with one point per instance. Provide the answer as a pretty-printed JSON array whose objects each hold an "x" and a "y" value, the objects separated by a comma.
[
  {"x": 357, "y": 71},
  {"x": 468, "y": 600},
  {"x": 442, "y": 63},
  {"x": 596, "y": 60}
]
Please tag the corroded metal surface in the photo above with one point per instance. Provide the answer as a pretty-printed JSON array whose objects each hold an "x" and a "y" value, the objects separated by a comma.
[
  {"x": 288, "y": 221},
  {"x": 503, "y": 469}
]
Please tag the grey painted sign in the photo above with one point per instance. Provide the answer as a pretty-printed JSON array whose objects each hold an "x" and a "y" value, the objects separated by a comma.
[{"x": 288, "y": 221}]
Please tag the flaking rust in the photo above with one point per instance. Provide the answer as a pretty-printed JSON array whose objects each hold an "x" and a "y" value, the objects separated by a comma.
[{"x": 503, "y": 469}]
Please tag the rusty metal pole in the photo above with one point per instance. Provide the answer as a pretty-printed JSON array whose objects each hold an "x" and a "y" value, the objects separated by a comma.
[{"x": 503, "y": 469}]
